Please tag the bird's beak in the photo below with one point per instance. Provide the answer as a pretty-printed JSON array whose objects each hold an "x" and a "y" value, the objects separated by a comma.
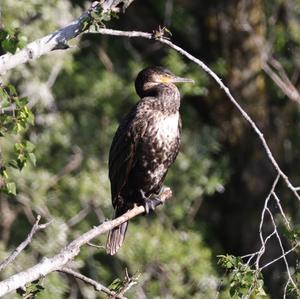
[{"x": 181, "y": 80}]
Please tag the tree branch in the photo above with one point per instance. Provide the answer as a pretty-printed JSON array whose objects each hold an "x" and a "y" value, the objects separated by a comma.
[
  {"x": 97, "y": 286},
  {"x": 59, "y": 38},
  {"x": 36, "y": 227},
  {"x": 55, "y": 263},
  {"x": 218, "y": 80}
]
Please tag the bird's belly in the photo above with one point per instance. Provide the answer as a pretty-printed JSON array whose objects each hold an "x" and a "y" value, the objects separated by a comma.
[{"x": 159, "y": 149}]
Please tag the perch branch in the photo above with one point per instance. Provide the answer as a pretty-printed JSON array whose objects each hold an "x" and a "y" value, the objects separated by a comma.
[
  {"x": 218, "y": 80},
  {"x": 48, "y": 265},
  {"x": 36, "y": 227}
]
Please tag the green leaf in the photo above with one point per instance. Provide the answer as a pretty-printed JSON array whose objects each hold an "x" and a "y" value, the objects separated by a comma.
[
  {"x": 12, "y": 89},
  {"x": 32, "y": 158},
  {"x": 14, "y": 164},
  {"x": 21, "y": 161},
  {"x": 4, "y": 98},
  {"x": 3, "y": 34},
  {"x": 19, "y": 147},
  {"x": 115, "y": 285},
  {"x": 29, "y": 146},
  {"x": 11, "y": 188},
  {"x": 18, "y": 127},
  {"x": 22, "y": 102},
  {"x": 10, "y": 45}
]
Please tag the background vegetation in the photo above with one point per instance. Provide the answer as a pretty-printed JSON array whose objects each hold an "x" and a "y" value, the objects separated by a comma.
[{"x": 220, "y": 178}]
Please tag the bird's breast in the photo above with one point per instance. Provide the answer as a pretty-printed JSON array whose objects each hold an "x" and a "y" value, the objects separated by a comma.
[
  {"x": 166, "y": 128},
  {"x": 157, "y": 150},
  {"x": 162, "y": 138}
]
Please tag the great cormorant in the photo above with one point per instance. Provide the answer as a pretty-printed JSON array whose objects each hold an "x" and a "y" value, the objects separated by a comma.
[{"x": 144, "y": 146}]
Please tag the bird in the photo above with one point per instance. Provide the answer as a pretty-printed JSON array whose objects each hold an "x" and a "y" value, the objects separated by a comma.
[{"x": 144, "y": 146}]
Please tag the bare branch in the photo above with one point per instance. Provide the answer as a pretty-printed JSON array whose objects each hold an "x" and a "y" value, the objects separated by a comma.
[
  {"x": 280, "y": 257},
  {"x": 282, "y": 250},
  {"x": 287, "y": 223},
  {"x": 48, "y": 265},
  {"x": 279, "y": 76},
  {"x": 263, "y": 242},
  {"x": 36, "y": 227},
  {"x": 97, "y": 286},
  {"x": 59, "y": 38},
  {"x": 129, "y": 282},
  {"x": 218, "y": 80}
]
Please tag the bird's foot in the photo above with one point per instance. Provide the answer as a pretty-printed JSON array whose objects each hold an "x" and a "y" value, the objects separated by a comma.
[{"x": 150, "y": 203}]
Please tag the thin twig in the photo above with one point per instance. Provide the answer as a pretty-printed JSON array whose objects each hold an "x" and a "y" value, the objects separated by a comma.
[
  {"x": 263, "y": 241},
  {"x": 263, "y": 246},
  {"x": 36, "y": 227},
  {"x": 129, "y": 282},
  {"x": 95, "y": 246},
  {"x": 97, "y": 286},
  {"x": 282, "y": 250},
  {"x": 279, "y": 258},
  {"x": 287, "y": 223}
]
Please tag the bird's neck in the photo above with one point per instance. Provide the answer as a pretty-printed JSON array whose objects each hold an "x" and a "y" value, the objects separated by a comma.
[{"x": 166, "y": 98}]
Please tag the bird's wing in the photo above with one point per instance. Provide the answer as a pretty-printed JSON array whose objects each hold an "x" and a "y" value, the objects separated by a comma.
[{"x": 122, "y": 155}]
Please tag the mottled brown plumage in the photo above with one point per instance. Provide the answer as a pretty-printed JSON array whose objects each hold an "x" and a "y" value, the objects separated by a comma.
[{"x": 144, "y": 146}]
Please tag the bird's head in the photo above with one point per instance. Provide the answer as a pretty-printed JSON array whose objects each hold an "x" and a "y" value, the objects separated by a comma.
[{"x": 154, "y": 76}]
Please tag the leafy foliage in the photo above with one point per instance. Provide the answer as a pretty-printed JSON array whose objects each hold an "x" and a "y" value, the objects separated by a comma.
[
  {"x": 244, "y": 281},
  {"x": 15, "y": 119},
  {"x": 77, "y": 98},
  {"x": 11, "y": 40},
  {"x": 31, "y": 290}
]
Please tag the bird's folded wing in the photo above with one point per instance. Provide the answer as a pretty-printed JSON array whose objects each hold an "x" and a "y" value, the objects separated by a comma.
[{"x": 122, "y": 156}]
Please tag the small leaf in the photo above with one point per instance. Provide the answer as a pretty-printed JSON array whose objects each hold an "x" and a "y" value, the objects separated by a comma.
[
  {"x": 29, "y": 146},
  {"x": 19, "y": 147},
  {"x": 14, "y": 164},
  {"x": 11, "y": 188},
  {"x": 32, "y": 158},
  {"x": 115, "y": 285},
  {"x": 12, "y": 89},
  {"x": 3, "y": 34},
  {"x": 10, "y": 45},
  {"x": 22, "y": 102}
]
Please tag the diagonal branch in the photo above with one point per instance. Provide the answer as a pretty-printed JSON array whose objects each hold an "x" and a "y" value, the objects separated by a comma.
[
  {"x": 48, "y": 265},
  {"x": 97, "y": 286},
  {"x": 36, "y": 227},
  {"x": 221, "y": 85},
  {"x": 58, "y": 39}
]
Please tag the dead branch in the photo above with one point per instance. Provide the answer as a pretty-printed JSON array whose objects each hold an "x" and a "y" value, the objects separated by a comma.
[
  {"x": 36, "y": 227},
  {"x": 55, "y": 263},
  {"x": 97, "y": 286}
]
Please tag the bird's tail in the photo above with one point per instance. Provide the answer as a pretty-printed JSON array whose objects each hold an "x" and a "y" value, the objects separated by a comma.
[{"x": 116, "y": 237}]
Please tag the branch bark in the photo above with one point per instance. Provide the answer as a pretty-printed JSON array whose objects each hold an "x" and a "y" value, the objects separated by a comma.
[
  {"x": 59, "y": 38},
  {"x": 55, "y": 263},
  {"x": 97, "y": 286},
  {"x": 36, "y": 227}
]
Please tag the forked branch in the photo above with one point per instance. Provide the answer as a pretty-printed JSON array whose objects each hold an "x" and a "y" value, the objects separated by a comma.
[{"x": 36, "y": 227}]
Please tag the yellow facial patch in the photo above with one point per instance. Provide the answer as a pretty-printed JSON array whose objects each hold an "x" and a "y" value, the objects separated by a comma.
[{"x": 164, "y": 79}]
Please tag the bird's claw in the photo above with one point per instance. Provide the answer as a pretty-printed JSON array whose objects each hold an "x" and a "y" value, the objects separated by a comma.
[{"x": 150, "y": 203}]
